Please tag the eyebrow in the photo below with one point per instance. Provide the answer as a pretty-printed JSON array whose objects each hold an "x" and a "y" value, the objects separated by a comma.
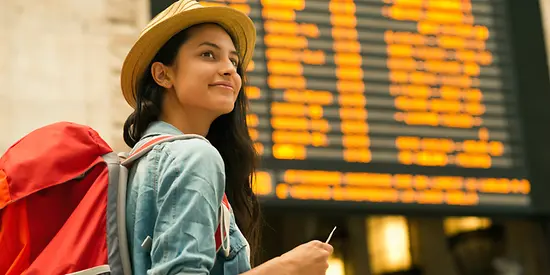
[{"x": 216, "y": 46}]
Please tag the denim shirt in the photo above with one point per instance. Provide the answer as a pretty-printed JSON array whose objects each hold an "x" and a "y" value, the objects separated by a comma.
[{"x": 174, "y": 196}]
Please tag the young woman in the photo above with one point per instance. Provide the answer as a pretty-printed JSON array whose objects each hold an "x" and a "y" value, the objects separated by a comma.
[{"x": 185, "y": 75}]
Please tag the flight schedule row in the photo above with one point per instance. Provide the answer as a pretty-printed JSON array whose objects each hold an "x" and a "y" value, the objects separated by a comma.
[{"x": 391, "y": 188}]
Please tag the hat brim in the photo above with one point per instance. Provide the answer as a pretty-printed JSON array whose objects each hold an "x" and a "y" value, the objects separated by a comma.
[{"x": 239, "y": 26}]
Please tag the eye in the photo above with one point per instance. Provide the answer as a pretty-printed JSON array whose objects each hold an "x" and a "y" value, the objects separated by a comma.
[
  {"x": 208, "y": 54},
  {"x": 235, "y": 62}
]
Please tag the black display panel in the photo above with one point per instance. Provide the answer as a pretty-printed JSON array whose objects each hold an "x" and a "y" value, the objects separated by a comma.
[{"x": 387, "y": 104}]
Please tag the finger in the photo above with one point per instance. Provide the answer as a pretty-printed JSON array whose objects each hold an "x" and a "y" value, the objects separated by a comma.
[
  {"x": 316, "y": 243},
  {"x": 325, "y": 246}
]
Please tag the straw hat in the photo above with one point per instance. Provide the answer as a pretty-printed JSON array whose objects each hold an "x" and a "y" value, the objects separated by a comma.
[{"x": 179, "y": 16}]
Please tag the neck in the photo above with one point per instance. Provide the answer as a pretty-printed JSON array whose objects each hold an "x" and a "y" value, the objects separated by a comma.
[{"x": 189, "y": 121}]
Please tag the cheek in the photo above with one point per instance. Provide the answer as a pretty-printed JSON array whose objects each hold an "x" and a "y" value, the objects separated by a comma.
[
  {"x": 190, "y": 84},
  {"x": 238, "y": 81}
]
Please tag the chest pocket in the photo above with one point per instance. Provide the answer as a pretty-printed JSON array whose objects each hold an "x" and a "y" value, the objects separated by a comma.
[{"x": 238, "y": 259}]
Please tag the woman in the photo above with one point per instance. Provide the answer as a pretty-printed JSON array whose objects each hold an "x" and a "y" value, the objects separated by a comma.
[{"x": 185, "y": 75}]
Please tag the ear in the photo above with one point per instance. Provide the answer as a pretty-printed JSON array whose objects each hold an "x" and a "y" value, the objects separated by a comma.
[{"x": 162, "y": 75}]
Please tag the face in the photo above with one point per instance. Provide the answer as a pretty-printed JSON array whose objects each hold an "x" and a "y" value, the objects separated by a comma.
[{"x": 204, "y": 77}]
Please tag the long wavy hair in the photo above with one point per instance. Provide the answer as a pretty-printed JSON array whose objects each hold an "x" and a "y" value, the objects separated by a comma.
[{"x": 228, "y": 134}]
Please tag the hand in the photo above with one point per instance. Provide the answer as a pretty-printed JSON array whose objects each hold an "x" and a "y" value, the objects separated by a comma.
[{"x": 307, "y": 259}]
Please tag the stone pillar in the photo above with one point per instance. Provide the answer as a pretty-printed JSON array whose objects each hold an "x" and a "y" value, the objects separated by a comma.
[
  {"x": 60, "y": 61},
  {"x": 127, "y": 18}
]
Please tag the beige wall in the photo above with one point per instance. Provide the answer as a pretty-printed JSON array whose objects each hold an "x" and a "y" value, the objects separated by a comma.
[{"x": 60, "y": 61}]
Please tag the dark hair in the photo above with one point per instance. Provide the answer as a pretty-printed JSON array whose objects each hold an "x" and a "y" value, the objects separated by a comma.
[{"x": 228, "y": 134}]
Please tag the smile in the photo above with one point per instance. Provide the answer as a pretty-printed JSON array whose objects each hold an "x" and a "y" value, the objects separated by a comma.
[{"x": 224, "y": 86}]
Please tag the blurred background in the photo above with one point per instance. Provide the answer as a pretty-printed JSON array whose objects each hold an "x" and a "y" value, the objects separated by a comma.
[{"x": 419, "y": 127}]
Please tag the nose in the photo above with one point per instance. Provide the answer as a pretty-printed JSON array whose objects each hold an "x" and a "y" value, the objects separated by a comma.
[{"x": 227, "y": 68}]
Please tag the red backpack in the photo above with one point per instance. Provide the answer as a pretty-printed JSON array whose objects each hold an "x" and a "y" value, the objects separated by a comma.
[{"x": 63, "y": 200}]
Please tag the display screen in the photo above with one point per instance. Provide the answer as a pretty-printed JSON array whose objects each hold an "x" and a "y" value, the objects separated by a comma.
[{"x": 388, "y": 102}]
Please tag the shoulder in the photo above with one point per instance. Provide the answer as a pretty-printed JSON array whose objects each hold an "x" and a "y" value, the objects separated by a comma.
[
  {"x": 194, "y": 151},
  {"x": 191, "y": 164},
  {"x": 184, "y": 159},
  {"x": 184, "y": 168}
]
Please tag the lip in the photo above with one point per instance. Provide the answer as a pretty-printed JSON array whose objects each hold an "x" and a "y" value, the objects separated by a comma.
[{"x": 223, "y": 84}]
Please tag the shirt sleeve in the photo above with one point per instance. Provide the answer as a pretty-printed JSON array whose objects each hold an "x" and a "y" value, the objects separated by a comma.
[{"x": 191, "y": 183}]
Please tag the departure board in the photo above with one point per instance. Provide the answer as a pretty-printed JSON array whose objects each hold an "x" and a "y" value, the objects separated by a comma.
[{"x": 385, "y": 102}]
